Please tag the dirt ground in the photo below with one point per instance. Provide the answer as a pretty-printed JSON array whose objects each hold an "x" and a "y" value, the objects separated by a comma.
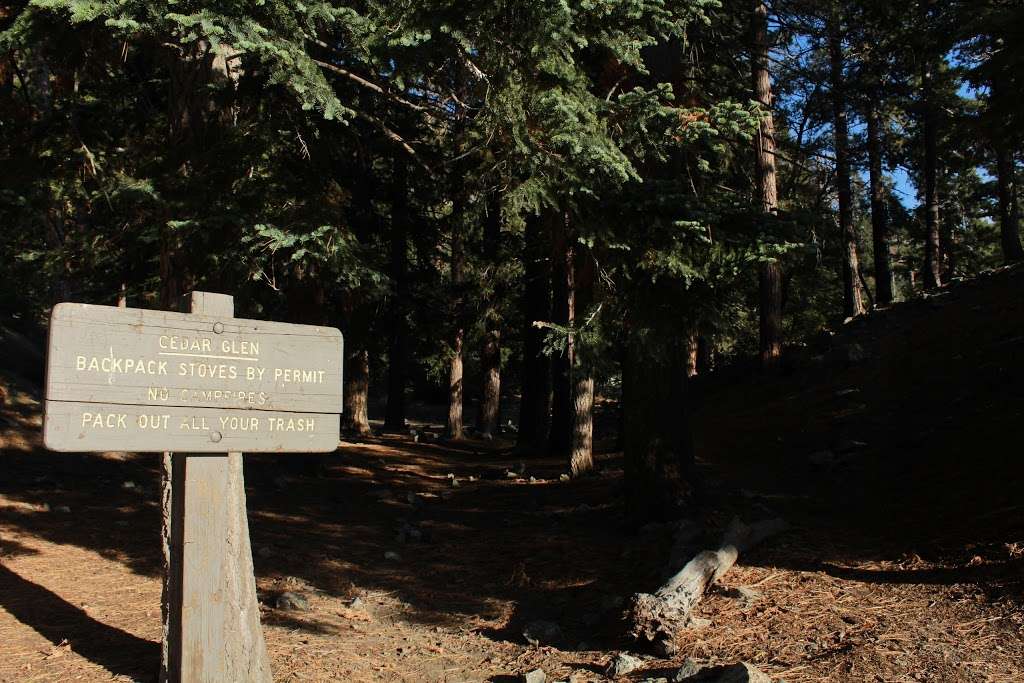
[{"x": 895, "y": 457}]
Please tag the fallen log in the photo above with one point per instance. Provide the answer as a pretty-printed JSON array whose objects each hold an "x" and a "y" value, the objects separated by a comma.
[{"x": 655, "y": 618}]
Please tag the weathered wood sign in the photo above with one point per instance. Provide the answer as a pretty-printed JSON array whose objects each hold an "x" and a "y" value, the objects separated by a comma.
[
  {"x": 141, "y": 380},
  {"x": 208, "y": 386}
]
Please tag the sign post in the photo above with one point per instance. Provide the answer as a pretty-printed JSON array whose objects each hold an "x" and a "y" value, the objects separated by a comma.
[{"x": 206, "y": 386}]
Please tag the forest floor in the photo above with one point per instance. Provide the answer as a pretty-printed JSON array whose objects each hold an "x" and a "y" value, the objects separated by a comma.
[{"x": 895, "y": 457}]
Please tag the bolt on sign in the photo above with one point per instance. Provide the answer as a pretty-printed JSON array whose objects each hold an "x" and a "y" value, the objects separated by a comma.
[{"x": 140, "y": 380}]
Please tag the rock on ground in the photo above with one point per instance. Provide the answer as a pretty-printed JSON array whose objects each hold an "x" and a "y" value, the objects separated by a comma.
[
  {"x": 623, "y": 664},
  {"x": 290, "y": 600},
  {"x": 535, "y": 676},
  {"x": 741, "y": 672}
]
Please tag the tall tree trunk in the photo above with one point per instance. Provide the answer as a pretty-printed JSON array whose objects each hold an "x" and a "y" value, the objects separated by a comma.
[
  {"x": 356, "y": 418},
  {"x": 705, "y": 354},
  {"x": 853, "y": 303},
  {"x": 563, "y": 309},
  {"x": 581, "y": 458},
  {"x": 658, "y": 450},
  {"x": 394, "y": 414},
  {"x": 1006, "y": 184},
  {"x": 454, "y": 428},
  {"x": 692, "y": 354},
  {"x": 879, "y": 210},
  {"x": 490, "y": 350},
  {"x": 932, "y": 251},
  {"x": 535, "y": 402},
  {"x": 770, "y": 279},
  {"x": 1009, "y": 218}
]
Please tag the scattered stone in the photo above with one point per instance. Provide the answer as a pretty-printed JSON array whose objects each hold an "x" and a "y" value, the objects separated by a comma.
[
  {"x": 511, "y": 475},
  {"x": 542, "y": 632},
  {"x": 740, "y": 672},
  {"x": 129, "y": 486},
  {"x": 290, "y": 600},
  {"x": 535, "y": 676},
  {"x": 356, "y": 603},
  {"x": 660, "y": 679},
  {"x": 691, "y": 667},
  {"x": 392, "y": 556},
  {"x": 564, "y": 477},
  {"x": 533, "y": 480},
  {"x": 623, "y": 664}
]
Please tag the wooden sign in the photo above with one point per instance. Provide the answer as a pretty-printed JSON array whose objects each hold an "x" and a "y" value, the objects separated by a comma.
[{"x": 141, "y": 380}]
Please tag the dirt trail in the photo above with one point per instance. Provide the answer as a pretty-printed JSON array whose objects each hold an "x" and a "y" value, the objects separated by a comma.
[{"x": 898, "y": 465}]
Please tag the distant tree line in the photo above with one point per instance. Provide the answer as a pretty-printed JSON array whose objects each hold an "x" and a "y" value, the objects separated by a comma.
[{"x": 527, "y": 202}]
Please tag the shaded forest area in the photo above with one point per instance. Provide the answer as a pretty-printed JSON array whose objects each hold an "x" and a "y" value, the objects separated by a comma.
[{"x": 609, "y": 276}]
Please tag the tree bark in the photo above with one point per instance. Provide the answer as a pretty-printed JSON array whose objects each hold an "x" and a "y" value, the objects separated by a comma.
[
  {"x": 394, "y": 414},
  {"x": 563, "y": 310},
  {"x": 770, "y": 279},
  {"x": 705, "y": 354},
  {"x": 853, "y": 302},
  {"x": 535, "y": 402},
  {"x": 454, "y": 428},
  {"x": 770, "y": 319},
  {"x": 932, "y": 250},
  {"x": 355, "y": 419},
  {"x": 1006, "y": 178},
  {"x": 658, "y": 449},
  {"x": 692, "y": 354},
  {"x": 490, "y": 350},
  {"x": 1009, "y": 219},
  {"x": 879, "y": 210},
  {"x": 581, "y": 459}
]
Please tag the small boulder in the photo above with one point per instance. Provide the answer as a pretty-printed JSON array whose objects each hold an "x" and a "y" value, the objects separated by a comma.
[
  {"x": 623, "y": 664},
  {"x": 741, "y": 672},
  {"x": 535, "y": 676},
  {"x": 290, "y": 600}
]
